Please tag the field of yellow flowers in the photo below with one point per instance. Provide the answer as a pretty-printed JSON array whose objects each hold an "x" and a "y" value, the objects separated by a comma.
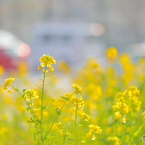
[{"x": 96, "y": 106}]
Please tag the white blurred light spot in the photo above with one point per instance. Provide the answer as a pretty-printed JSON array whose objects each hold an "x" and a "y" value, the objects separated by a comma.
[
  {"x": 23, "y": 50},
  {"x": 97, "y": 29}
]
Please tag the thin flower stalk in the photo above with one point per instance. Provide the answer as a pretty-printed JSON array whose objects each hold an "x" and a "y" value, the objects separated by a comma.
[
  {"x": 42, "y": 97},
  {"x": 58, "y": 114}
]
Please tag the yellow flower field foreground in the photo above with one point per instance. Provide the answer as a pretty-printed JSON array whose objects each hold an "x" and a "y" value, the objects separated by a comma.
[{"x": 96, "y": 106}]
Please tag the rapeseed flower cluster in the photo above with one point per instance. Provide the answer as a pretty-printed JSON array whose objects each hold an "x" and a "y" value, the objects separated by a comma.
[
  {"x": 77, "y": 101},
  {"x": 78, "y": 89},
  {"x": 46, "y": 61},
  {"x": 127, "y": 67},
  {"x": 30, "y": 94},
  {"x": 111, "y": 53},
  {"x": 114, "y": 139},
  {"x": 94, "y": 129},
  {"x": 128, "y": 101},
  {"x": 34, "y": 111},
  {"x": 83, "y": 115},
  {"x": 8, "y": 82},
  {"x": 60, "y": 128},
  {"x": 67, "y": 95},
  {"x": 71, "y": 118}
]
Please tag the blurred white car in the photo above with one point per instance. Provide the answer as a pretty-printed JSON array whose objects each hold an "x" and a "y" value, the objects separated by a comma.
[{"x": 12, "y": 50}]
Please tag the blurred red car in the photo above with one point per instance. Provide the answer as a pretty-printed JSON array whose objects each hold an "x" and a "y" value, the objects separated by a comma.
[
  {"x": 7, "y": 61},
  {"x": 12, "y": 50}
]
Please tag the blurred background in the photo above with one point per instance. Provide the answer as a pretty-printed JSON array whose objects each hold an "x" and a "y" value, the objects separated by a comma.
[{"x": 69, "y": 30}]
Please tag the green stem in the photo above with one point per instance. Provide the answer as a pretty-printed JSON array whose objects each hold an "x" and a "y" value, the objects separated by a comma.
[
  {"x": 29, "y": 107},
  {"x": 22, "y": 96},
  {"x": 64, "y": 140},
  {"x": 36, "y": 126},
  {"x": 75, "y": 121},
  {"x": 58, "y": 115},
  {"x": 41, "y": 125}
]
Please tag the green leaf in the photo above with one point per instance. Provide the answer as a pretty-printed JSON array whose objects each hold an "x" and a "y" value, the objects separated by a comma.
[
  {"x": 44, "y": 107},
  {"x": 28, "y": 108},
  {"x": 137, "y": 132},
  {"x": 58, "y": 111},
  {"x": 38, "y": 121},
  {"x": 48, "y": 136},
  {"x": 30, "y": 121},
  {"x": 24, "y": 90},
  {"x": 40, "y": 131},
  {"x": 63, "y": 97}
]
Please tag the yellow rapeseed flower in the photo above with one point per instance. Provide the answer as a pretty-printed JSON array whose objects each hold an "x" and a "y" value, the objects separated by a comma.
[
  {"x": 51, "y": 68},
  {"x": 8, "y": 82},
  {"x": 83, "y": 115},
  {"x": 30, "y": 94},
  {"x": 14, "y": 89},
  {"x": 46, "y": 60},
  {"x": 68, "y": 134},
  {"x": 114, "y": 138},
  {"x": 93, "y": 129},
  {"x": 45, "y": 70},
  {"x": 2, "y": 70},
  {"x": 82, "y": 142},
  {"x": 128, "y": 101},
  {"x": 111, "y": 53},
  {"x": 86, "y": 117},
  {"x": 9, "y": 91},
  {"x": 78, "y": 89},
  {"x": 67, "y": 95},
  {"x": 34, "y": 111},
  {"x": 39, "y": 67},
  {"x": 94, "y": 137},
  {"x": 143, "y": 114},
  {"x": 77, "y": 100},
  {"x": 118, "y": 115},
  {"x": 59, "y": 128},
  {"x": 124, "y": 120}
]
